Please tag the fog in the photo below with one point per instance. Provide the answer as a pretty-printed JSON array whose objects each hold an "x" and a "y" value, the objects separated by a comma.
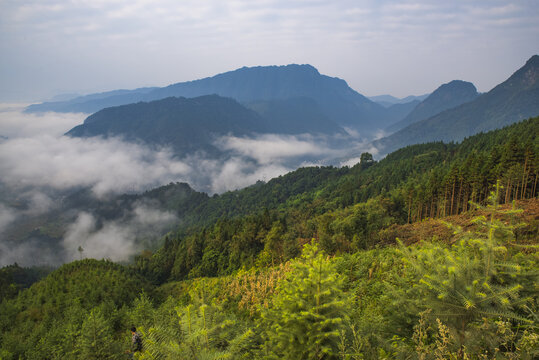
[
  {"x": 39, "y": 165},
  {"x": 115, "y": 239}
]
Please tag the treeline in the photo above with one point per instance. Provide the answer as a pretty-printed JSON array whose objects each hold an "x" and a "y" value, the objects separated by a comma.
[
  {"x": 14, "y": 278},
  {"x": 510, "y": 155},
  {"x": 349, "y": 209}
]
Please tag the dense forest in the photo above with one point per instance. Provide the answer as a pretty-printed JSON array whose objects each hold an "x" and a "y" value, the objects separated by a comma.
[{"x": 430, "y": 253}]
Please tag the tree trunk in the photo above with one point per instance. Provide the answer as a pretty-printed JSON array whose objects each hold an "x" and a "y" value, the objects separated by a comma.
[
  {"x": 507, "y": 191},
  {"x": 459, "y": 195},
  {"x": 524, "y": 178},
  {"x": 452, "y": 198},
  {"x": 535, "y": 184},
  {"x": 409, "y": 208}
]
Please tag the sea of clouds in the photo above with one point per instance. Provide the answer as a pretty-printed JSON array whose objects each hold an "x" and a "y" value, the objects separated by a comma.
[{"x": 39, "y": 165}]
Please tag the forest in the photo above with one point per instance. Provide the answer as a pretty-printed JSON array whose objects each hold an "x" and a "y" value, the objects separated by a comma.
[{"x": 429, "y": 253}]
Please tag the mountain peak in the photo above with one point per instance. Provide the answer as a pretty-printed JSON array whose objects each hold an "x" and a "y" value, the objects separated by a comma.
[
  {"x": 526, "y": 77},
  {"x": 307, "y": 68},
  {"x": 445, "y": 97},
  {"x": 533, "y": 61}
]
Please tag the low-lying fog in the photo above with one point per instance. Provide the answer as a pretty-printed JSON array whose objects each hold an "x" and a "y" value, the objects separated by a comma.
[{"x": 38, "y": 164}]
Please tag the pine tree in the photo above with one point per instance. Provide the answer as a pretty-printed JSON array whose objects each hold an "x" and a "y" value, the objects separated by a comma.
[
  {"x": 475, "y": 279},
  {"x": 308, "y": 311},
  {"x": 96, "y": 340}
]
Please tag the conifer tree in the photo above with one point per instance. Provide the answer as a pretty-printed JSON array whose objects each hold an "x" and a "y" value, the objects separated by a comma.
[
  {"x": 96, "y": 340},
  {"x": 308, "y": 311},
  {"x": 474, "y": 280}
]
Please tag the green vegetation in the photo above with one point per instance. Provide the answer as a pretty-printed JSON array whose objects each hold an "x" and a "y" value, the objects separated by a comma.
[
  {"x": 513, "y": 100},
  {"x": 309, "y": 266}
]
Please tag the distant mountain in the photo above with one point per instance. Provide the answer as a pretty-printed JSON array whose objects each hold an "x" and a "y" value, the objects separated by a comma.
[
  {"x": 515, "y": 99},
  {"x": 188, "y": 125},
  {"x": 295, "y": 116},
  {"x": 340, "y": 103},
  {"x": 93, "y": 102},
  {"x": 397, "y": 112},
  {"x": 447, "y": 96},
  {"x": 388, "y": 100}
]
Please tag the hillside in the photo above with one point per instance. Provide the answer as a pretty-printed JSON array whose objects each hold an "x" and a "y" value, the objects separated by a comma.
[
  {"x": 515, "y": 99},
  {"x": 295, "y": 116},
  {"x": 445, "y": 97},
  {"x": 313, "y": 240},
  {"x": 187, "y": 125},
  {"x": 348, "y": 212}
]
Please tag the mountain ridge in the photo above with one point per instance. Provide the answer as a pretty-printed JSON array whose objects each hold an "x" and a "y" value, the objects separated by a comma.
[
  {"x": 513, "y": 100},
  {"x": 340, "y": 103},
  {"x": 446, "y": 96}
]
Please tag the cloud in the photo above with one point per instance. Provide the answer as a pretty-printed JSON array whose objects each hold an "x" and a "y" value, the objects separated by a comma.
[
  {"x": 102, "y": 45},
  {"x": 6, "y": 217},
  {"x": 15, "y": 124},
  {"x": 39, "y": 167},
  {"x": 270, "y": 148},
  {"x": 29, "y": 253},
  {"x": 115, "y": 240},
  {"x": 104, "y": 165},
  {"x": 237, "y": 173}
]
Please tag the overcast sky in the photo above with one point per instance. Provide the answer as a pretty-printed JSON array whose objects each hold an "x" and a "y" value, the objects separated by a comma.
[{"x": 50, "y": 47}]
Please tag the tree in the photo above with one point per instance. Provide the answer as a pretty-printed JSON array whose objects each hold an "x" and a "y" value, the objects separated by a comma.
[
  {"x": 366, "y": 160},
  {"x": 474, "y": 280},
  {"x": 308, "y": 311},
  {"x": 96, "y": 340}
]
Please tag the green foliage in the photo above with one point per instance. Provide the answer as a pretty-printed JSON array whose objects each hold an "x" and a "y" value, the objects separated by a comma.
[
  {"x": 478, "y": 279},
  {"x": 236, "y": 295},
  {"x": 309, "y": 310},
  {"x": 14, "y": 278},
  {"x": 48, "y": 317},
  {"x": 96, "y": 341},
  {"x": 204, "y": 332}
]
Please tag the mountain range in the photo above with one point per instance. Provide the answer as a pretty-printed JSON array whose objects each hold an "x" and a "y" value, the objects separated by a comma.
[
  {"x": 295, "y": 99},
  {"x": 340, "y": 103},
  {"x": 389, "y": 100},
  {"x": 513, "y": 100}
]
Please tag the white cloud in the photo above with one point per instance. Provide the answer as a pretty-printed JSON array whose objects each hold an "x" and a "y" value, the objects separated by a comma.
[
  {"x": 106, "y": 166},
  {"x": 38, "y": 165},
  {"x": 270, "y": 148},
  {"x": 15, "y": 124},
  {"x": 114, "y": 240},
  {"x": 99, "y": 45}
]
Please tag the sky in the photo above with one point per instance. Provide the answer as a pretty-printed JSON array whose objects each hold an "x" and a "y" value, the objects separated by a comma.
[{"x": 51, "y": 47}]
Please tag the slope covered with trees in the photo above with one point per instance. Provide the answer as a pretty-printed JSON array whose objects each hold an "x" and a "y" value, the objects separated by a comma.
[
  {"x": 309, "y": 266},
  {"x": 348, "y": 212}
]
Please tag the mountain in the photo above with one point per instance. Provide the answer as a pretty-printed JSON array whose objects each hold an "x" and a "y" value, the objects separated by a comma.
[
  {"x": 188, "y": 125},
  {"x": 397, "y": 112},
  {"x": 388, "y": 100},
  {"x": 515, "y": 99},
  {"x": 93, "y": 102},
  {"x": 295, "y": 116},
  {"x": 447, "y": 96},
  {"x": 340, "y": 103}
]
